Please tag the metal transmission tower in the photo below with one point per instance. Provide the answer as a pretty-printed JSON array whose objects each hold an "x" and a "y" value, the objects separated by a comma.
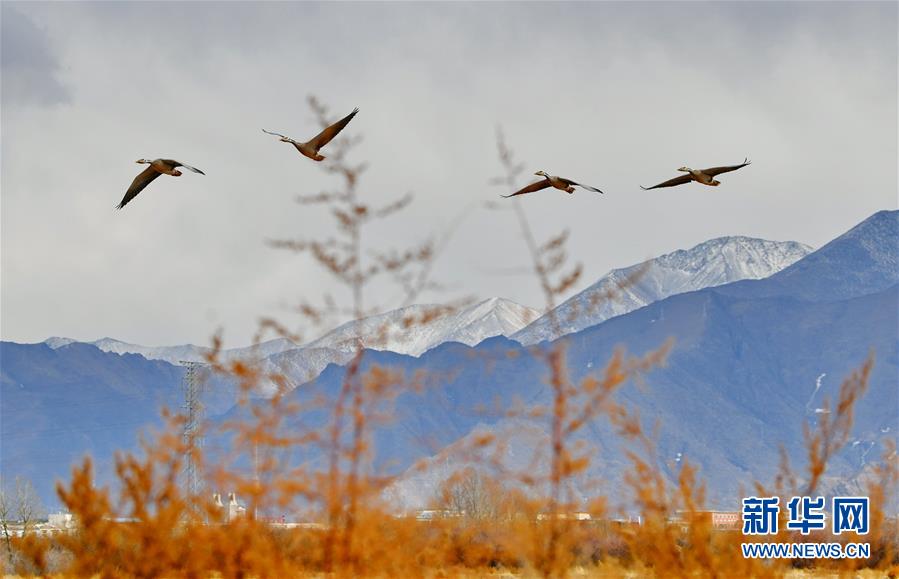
[{"x": 192, "y": 385}]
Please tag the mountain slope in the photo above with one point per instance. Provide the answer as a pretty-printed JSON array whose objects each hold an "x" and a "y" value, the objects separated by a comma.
[
  {"x": 872, "y": 247},
  {"x": 747, "y": 371},
  {"x": 744, "y": 376},
  {"x": 752, "y": 361},
  {"x": 182, "y": 353},
  {"x": 410, "y": 330},
  {"x": 415, "y": 329},
  {"x": 61, "y": 404},
  {"x": 712, "y": 263}
]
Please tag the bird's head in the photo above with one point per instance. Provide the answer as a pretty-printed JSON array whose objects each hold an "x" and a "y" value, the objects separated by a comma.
[
  {"x": 143, "y": 161},
  {"x": 541, "y": 174},
  {"x": 685, "y": 169}
]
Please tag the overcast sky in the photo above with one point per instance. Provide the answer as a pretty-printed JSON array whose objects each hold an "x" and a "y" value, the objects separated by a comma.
[{"x": 614, "y": 95}]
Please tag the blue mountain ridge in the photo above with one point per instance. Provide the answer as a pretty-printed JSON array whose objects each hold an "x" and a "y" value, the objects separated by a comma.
[
  {"x": 58, "y": 405},
  {"x": 740, "y": 381}
]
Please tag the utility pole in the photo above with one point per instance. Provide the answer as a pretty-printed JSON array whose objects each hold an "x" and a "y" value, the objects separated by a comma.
[{"x": 192, "y": 386}]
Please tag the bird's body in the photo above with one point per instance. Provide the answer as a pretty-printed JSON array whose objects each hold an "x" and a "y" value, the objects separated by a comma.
[
  {"x": 312, "y": 147},
  {"x": 156, "y": 168},
  {"x": 560, "y": 183},
  {"x": 308, "y": 150},
  {"x": 548, "y": 180},
  {"x": 703, "y": 176}
]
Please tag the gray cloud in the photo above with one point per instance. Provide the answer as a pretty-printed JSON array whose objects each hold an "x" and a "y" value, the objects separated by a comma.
[
  {"x": 612, "y": 94},
  {"x": 28, "y": 64}
]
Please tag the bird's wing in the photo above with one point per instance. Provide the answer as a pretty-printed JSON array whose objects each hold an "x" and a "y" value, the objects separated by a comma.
[
  {"x": 324, "y": 137},
  {"x": 587, "y": 187},
  {"x": 277, "y": 134},
  {"x": 671, "y": 182},
  {"x": 180, "y": 164},
  {"x": 718, "y": 170},
  {"x": 536, "y": 186},
  {"x": 142, "y": 180}
]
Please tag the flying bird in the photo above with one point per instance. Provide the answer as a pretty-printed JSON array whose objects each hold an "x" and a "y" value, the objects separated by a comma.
[
  {"x": 311, "y": 147},
  {"x": 157, "y": 167},
  {"x": 704, "y": 176},
  {"x": 562, "y": 183}
]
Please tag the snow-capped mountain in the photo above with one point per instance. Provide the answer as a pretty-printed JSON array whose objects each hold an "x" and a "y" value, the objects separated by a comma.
[
  {"x": 262, "y": 350},
  {"x": 780, "y": 344},
  {"x": 181, "y": 353},
  {"x": 411, "y": 330},
  {"x": 55, "y": 342},
  {"x": 737, "y": 348},
  {"x": 712, "y": 263},
  {"x": 299, "y": 366},
  {"x": 871, "y": 244},
  {"x": 414, "y": 330}
]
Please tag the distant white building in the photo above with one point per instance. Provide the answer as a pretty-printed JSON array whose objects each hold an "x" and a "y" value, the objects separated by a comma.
[
  {"x": 432, "y": 514},
  {"x": 61, "y": 520},
  {"x": 565, "y": 517},
  {"x": 233, "y": 509}
]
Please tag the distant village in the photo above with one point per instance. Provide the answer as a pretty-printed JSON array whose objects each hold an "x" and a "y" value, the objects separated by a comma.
[{"x": 231, "y": 509}]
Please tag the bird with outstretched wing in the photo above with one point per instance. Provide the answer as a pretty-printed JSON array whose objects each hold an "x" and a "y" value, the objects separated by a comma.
[
  {"x": 548, "y": 180},
  {"x": 312, "y": 147},
  {"x": 703, "y": 176},
  {"x": 156, "y": 168}
]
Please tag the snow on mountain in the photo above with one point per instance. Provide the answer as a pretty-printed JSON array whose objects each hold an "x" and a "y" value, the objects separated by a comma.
[
  {"x": 299, "y": 366},
  {"x": 411, "y": 330},
  {"x": 735, "y": 352},
  {"x": 712, "y": 263},
  {"x": 416, "y": 329},
  {"x": 171, "y": 354},
  {"x": 261, "y": 350},
  {"x": 181, "y": 353},
  {"x": 58, "y": 342},
  {"x": 872, "y": 245}
]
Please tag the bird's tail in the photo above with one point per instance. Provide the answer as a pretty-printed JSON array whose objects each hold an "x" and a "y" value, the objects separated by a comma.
[{"x": 318, "y": 157}]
